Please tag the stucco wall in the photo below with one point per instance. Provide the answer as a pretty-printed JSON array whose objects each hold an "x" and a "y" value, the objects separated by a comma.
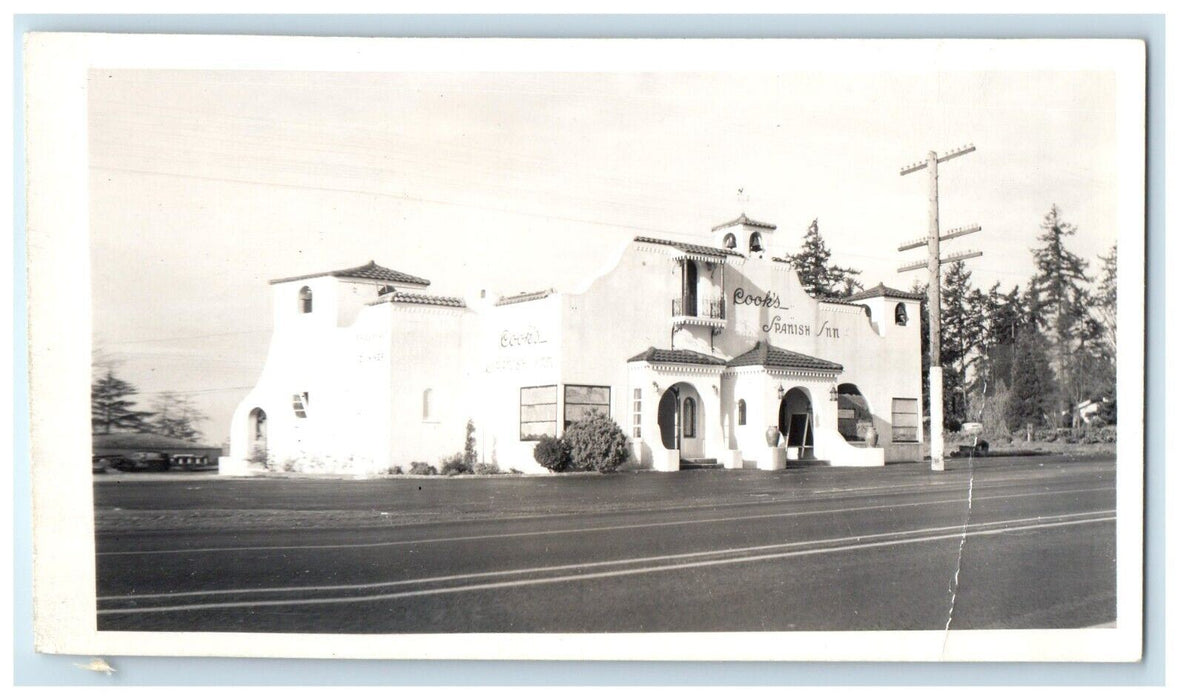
[{"x": 366, "y": 367}]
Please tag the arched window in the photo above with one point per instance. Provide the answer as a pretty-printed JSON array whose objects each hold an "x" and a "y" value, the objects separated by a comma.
[
  {"x": 426, "y": 405},
  {"x": 755, "y": 242},
  {"x": 741, "y": 412},
  {"x": 306, "y": 300},
  {"x": 900, "y": 314},
  {"x": 690, "y": 417},
  {"x": 730, "y": 241},
  {"x": 868, "y": 311},
  {"x": 259, "y": 424}
]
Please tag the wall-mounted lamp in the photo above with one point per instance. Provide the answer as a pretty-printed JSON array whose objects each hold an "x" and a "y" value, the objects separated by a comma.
[
  {"x": 656, "y": 385},
  {"x": 716, "y": 389},
  {"x": 832, "y": 393},
  {"x": 781, "y": 391}
]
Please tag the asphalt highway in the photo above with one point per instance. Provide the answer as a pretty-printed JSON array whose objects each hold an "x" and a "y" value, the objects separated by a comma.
[{"x": 988, "y": 544}]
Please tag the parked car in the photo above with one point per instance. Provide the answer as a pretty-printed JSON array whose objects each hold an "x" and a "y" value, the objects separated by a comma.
[
  {"x": 151, "y": 461},
  {"x": 106, "y": 463}
]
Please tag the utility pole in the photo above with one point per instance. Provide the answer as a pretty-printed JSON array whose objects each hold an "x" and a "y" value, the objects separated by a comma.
[{"x": 932, "y": 263}]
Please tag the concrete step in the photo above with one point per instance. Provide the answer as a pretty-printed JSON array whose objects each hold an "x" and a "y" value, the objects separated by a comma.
[
  {"x": 797, "y": 463},
  {"x": 706, "y": 463}
]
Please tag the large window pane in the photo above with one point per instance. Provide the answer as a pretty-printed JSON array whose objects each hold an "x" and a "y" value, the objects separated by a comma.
[{"x": 537, "y": 412}]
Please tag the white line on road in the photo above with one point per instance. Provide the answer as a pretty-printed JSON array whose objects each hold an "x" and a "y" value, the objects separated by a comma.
[
  {"x": 597, "y": 528},
  {"x": 731, "y": 555}
]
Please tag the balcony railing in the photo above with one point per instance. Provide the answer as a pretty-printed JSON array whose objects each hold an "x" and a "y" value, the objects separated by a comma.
[{"x": 710, "y": 309}]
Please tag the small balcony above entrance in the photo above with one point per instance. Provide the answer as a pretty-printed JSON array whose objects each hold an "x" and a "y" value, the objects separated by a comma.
[{"x": 698, "y": 312}]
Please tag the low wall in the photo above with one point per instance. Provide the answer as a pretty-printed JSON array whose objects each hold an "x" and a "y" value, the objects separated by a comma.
[{"x": 897, "y": 452}]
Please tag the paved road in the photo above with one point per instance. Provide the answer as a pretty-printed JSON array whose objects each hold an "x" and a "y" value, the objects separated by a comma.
[{"x": 1023, "y": 543}]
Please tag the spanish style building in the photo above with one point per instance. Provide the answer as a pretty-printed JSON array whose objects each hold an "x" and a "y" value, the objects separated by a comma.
[{"x": 706, "y": 353}]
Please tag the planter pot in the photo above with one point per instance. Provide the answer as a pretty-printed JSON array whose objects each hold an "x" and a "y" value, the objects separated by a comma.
[{"x": 772, "y": 436}]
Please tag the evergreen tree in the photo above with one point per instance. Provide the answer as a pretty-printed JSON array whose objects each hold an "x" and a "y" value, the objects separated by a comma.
[
  {"x": 1001, "y": 316},
  {"x": 924, "y": 327},
  {"x": 1061, "y": 299},
  {"x": 819, "y": 277},
  {"x": 960, "y": 334},
  {"x": 112, "y": 408},
  {"x": 176, "y": 416},
  {"x": 1103, "y": 304},
  {"x": 1030, "y": 395}
]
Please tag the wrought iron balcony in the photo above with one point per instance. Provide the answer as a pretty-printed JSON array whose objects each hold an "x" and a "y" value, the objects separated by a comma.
[{"x": 708, "y": 312}]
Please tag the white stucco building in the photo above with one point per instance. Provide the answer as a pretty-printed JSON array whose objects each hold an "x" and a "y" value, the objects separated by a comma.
[{"x": 702, "y": 352}]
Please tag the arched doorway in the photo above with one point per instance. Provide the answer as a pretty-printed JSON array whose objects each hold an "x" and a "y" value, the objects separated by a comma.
[
  {"x": 795, "y": 424},
  {"x": 257, "y": 435},
  {"x": 853, "y": 417},
  {"x": 681, "y": 420}
]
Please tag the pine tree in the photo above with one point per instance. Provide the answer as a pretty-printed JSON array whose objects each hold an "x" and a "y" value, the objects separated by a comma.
[
  {"x": 112, "y": 408},
  {"x": 1103, "y": 303},
  {"x": 960, "y": 334},
  {"x": 924, "y": 323},
  {"x": 177, "y": 417},
  {"x": 1033, "y": 384},
  {"x": 1001, "y": 316},
  {"x": 1061, "y": 299},
  {"x": 819, "y": 277}
]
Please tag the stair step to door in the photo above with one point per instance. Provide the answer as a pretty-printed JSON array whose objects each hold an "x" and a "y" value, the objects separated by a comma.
[
  {"x": 796, "y": 463},
  {"x": 700, "y": 464}
]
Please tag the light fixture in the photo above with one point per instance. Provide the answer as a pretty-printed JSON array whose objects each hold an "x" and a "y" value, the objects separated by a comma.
[
  {"x": 656, "y": 385},
  {"x": 781, "y": 391},
  {"x": 832, "y": 393}
]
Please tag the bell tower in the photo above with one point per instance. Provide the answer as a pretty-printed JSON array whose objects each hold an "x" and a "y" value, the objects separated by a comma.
[{"x": 745, "y": 235}]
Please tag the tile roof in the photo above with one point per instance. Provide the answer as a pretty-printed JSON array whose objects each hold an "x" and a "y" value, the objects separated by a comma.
[
  {"x": 767, "y": 355},
  {"x": 370, "y": 271},
  {"x": 524, "y": 296},
  {"x": 689, "y": 247},
  {"x": 883, "y": 291},
  {"x": 684, "y": 357},
  {"x": 143, "y": 441},
  {"x": 400, "y": 296},
  {"x": 743, "y": 219}
]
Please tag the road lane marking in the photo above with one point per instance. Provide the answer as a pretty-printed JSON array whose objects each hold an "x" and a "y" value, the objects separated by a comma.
[
  {"x": 572, "y": 531},
  {"x": 732, "y": 555}
]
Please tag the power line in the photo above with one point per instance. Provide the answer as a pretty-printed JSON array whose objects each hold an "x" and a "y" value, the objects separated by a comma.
[
  {"x": 193, "y": 391},
  {"x": 183, "y": 337},
  {"x": 392, "y": 195}
]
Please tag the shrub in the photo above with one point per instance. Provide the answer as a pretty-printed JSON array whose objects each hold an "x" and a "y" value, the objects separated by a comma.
[
  {"x": 486, "y": 468},
  {"x": 395, "y": 469},
  {"x": 422, "y": 469},
  {"x": 552, "y": 453},
  {"x": 456, "y": 464},
  {"x": 470, "y": 454},
  {"x": 597, "y": 443}
]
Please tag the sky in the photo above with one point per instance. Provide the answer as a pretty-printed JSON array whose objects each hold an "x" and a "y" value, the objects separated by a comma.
[{"x": 204, "y": 185}]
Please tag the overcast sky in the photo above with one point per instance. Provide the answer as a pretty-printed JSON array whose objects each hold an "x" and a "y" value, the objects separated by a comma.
[{"x": 207, "y": 184}]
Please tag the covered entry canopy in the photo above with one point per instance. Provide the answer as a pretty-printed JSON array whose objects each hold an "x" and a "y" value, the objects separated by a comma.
[
  {"x": 676, "y": 406},
  {"x": 766, "y": 355}
]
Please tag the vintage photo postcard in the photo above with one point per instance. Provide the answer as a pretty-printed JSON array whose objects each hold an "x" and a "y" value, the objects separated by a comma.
[{"x": 587, "y": 349}]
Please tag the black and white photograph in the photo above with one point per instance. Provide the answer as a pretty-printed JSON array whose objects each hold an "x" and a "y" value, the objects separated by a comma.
[{"x": 489, "y": 349}]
